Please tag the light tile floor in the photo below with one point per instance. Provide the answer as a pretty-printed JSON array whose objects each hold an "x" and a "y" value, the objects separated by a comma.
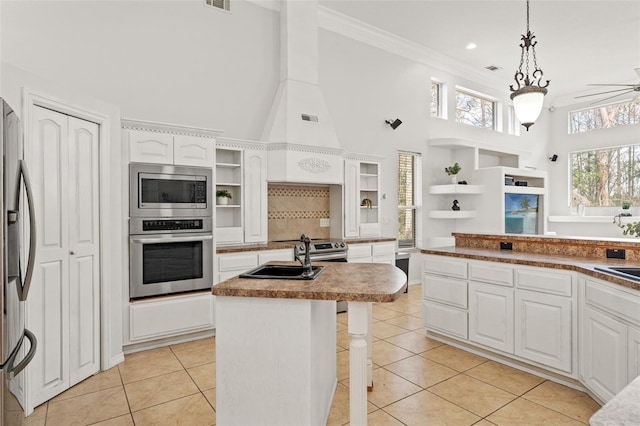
[{"x": 417, "y": 381}]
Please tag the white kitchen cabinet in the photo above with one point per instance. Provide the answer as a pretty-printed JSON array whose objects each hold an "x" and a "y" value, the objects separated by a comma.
[
  {"x": 63, "y": 308},
  {"x": 169, "y": 144},
  {"x": 603, "y": 352},
  {"x": 633, "y": 353},
  {"x": 361, "y": 198},
  {"x": 543, "y": 328},
  {"x": 170, "y": 316},
  {"x": 491, "y": 316},
  {"x": 445, "y": 319},
  {"x": 609, "y": 336},
  {"x": 383, "y": 252},
  {"x": 231, "y": 264},
  {"x": 241, "y": 169}
]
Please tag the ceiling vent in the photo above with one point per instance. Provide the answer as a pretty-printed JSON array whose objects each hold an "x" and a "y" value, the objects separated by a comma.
[
  {"x": 493, "y": 68},
  {"x": 218, "y": 4}
]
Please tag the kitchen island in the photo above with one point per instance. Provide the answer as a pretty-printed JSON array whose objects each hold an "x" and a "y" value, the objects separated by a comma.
[{"x": 276, "y": 343}]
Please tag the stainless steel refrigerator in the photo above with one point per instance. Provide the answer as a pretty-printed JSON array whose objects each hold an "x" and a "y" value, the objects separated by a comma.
[{"x": 17, "y": 344}]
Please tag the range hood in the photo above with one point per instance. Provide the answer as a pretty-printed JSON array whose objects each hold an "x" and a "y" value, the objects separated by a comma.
[{"x": 301, "y": 141}]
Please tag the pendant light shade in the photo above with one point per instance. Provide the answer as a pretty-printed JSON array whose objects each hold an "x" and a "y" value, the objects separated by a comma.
[{"x": 528, "y": 96}]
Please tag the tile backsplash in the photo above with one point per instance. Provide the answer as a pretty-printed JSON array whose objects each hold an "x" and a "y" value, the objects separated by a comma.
[{"x": 297, "y": 209}]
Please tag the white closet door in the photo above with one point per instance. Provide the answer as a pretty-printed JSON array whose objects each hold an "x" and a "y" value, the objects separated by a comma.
[
  {"x": 63, "y": 304},
  {"x": 84, "y": 255},
  {"x": 48, "y": 301}
]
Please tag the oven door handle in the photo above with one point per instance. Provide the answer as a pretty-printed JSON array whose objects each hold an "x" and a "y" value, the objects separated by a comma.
[
  {"x": 165, "y": 239},
  {"x": 328, "y": 256}
]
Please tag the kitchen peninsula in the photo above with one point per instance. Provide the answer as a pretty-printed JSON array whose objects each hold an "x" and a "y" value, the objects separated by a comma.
[
  {"x": 556, "y": 306},
  {"x": 275, "y": 343}
]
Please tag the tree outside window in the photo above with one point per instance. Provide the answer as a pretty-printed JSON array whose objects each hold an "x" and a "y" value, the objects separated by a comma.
[
  {"x": 604, "y": 116},
  {"x": 407, "y": 198},
  {"x": 606, "y": 177},
  {"x": 475, "y": 110}
]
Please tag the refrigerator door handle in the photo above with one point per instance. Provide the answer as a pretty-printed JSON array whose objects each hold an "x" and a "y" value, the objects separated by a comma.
[
  {"x": 14, "y": 370},
  {"x": 23, "y": 289}
]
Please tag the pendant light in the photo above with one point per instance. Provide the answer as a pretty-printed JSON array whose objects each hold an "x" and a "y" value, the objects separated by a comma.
[{"x": 529, "y": 95}]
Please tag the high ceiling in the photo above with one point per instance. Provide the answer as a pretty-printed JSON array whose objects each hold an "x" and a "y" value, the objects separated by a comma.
[{"x": 579, "y": 41}]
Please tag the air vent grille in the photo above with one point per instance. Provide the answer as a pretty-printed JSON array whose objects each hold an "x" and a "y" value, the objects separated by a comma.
[
  {"x": 219, "y": 4},
  {"x": 493, "y": 68}
]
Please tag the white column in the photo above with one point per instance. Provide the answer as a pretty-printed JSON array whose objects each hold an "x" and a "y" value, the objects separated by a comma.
[
  {"x": 359, "y": 317},
  {"x": 369, "y": 348}
]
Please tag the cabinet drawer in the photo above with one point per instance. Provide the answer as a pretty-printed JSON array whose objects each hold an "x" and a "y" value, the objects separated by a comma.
[
  {"x": 444, "y": 319},
  {"x": 359, "y": 250},
  {"x": 268, "y": 256},
  {"x": 237, "y": 262},
  {"x": 491, "y": 272},
  {"x": 544, "y": 281},
  {"x": 445, "y": 290},
  {"x": 161, "y": 318},
  {"x": 623, "y": 304},
  {"x": 445, "y": 266},
  {"x": 387, "y": 249}
]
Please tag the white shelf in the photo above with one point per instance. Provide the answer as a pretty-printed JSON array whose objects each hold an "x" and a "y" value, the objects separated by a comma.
[
  {"x": 530, "y": 190},
  {"x": 369, "y": 208},
  {"x": 227, "y": 184},
  {"x": 228, "y": 165},
  {"x": 228, "y": 206},
  {"x": 368, "y": 175},
  {"x": 452, "y": 214},
  {"x": 456, "y": 189},
  {"x": 590, "y": 219},
  {"x": 368, "y": 189}
]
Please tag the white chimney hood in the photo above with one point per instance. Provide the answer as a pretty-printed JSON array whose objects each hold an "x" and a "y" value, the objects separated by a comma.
[{"x": 301, "y": 141}]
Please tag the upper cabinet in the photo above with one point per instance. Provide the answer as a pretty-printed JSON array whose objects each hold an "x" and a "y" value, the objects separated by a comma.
[
  {"x": 361, "y": 198},
  {"x": 169, "y": 144},
  {"x": 241, "y": 171}
]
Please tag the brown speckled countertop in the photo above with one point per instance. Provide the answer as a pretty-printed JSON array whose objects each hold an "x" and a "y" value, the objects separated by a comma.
[
  {"x": 353, "y": 282},
  {"x": 364, "y": 240},
  {"x": 582, "y": 264}
]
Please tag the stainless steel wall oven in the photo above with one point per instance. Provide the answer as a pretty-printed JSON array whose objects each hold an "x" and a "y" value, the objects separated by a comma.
[{"x": 168, "y": 256}]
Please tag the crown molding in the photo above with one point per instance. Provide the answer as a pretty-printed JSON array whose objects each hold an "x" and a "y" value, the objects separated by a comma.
[
  {"x": 222, "y": 142},
  {"x": 175, "y": 129}
]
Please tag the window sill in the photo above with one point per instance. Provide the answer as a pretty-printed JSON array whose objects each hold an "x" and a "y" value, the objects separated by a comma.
[{"x": 589, "y": 219}]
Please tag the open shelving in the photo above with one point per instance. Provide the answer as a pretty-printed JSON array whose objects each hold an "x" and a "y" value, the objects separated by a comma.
[{"x": 229, "y": 177}]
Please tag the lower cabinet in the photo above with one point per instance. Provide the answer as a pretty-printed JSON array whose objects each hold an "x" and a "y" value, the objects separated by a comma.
[
  {"x": 491, "y": 316},
  {"x": 609, "y": 338},
  {"x": 372, "y": 253},
  {"x": 171, "y": 316}
]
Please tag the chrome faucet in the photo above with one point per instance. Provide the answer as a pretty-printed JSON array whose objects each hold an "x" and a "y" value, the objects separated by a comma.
[{"x": 306, "y": 263}]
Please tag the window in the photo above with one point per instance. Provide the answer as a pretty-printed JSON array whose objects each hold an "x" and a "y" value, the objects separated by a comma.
[
  {"x": 475, "y": 110},
  {"x": 408, "y": 197},
  {"x": 436, "y": 97},
  {"x": 606, "y": 177},
  {"x": 220, "y": 4},
  {"x": 604, "y": 116}
]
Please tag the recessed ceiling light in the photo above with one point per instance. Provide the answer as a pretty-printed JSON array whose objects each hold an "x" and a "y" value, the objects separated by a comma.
[{"x": 471, "y": 46}]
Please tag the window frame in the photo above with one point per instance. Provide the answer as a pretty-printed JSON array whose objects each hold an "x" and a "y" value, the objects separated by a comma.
[
  {"x": 495, "y": 107},
  {"x": 594, "y": 108},
  {"x": 416, "y": 207}
]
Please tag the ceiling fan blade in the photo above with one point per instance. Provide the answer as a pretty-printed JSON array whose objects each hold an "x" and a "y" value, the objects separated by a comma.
[
  {"x": 610, "y": 97},
  {"x": 638, "y": 71},
  {"x": 608, "y": 91},
  {"x": 626, "y": 85}
]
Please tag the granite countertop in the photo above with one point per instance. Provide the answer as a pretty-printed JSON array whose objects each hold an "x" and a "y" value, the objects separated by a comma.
[
  {"x": 622, "y": 410},
  {"x": 352, "y": 282},
  {"x": 363, "y": 240},
  {"x": 583, "y": 264}
]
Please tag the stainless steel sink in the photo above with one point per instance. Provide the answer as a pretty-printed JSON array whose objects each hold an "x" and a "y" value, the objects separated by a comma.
[
  {"x": 282, "y": 272},
  {"x": 624, "y": 272}
]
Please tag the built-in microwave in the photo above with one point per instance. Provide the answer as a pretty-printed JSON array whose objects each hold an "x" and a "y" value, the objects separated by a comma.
[{"x": 158, "y": 190}]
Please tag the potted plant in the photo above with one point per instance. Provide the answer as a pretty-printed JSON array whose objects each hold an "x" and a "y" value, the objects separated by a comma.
[
  {"x": 223, "y": 196},
  {"x": 453, "y": 172},
  {"x": 625, "y": 209}
]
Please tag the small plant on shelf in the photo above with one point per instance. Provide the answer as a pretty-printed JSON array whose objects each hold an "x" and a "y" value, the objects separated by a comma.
[
  {"x": 223, "y": 196},
  {"x": 632, "y": 228},
  {"x": 453, "y": 170}
]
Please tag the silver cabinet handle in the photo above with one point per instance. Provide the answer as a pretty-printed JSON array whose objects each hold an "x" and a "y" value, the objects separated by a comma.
[
  {"x": 171, "y": 239},
  {"x": 14, "y": 370},
  {"x": 23, "y": 288}
]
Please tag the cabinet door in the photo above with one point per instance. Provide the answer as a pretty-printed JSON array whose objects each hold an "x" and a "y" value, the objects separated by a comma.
[
  {"x": 351, "y": 198},
  {"x": 634, "y": 353},
  {"x": 543, "y": 329},
  {"x": 150, "y": 147},
  {"x": 255, "y": 196},
  {"x": 84, "y": 250},
  {"x": 491, "y": 316},
  {"x": 603, "y": 351},
  {"x": 193, "y": 151}
]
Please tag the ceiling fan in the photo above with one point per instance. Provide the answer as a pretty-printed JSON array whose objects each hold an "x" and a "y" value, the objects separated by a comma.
[{"x": 625, "y": 88}]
